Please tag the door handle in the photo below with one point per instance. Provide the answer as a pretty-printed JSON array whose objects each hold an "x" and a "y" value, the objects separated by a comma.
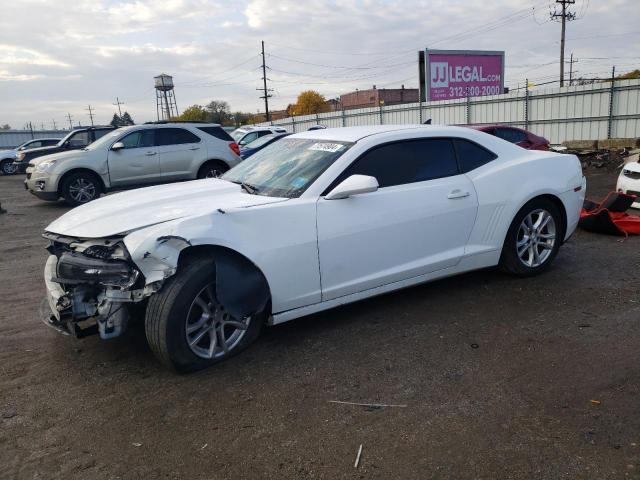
[
  {"x": 150, "y": 154},
  {"x": 457, "y": 193},
  {"x": 194, "y": 148}
]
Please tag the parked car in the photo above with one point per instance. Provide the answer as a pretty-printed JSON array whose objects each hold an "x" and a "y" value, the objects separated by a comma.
[
  {"x": 7, "y": 157},
  {"x": 75, "y": 140},
  {"x": 258, "y": 144},
  {"x": 366, "y": 209},
  {"x": 520, "y": 137},
  {"x": 132, "y": 157},
  {"x": 629, "y": 181},
  {"x": 247, "y": 134}
]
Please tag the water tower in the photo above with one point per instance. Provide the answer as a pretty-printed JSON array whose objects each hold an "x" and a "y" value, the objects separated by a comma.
[{"x": 166, "y": 106}]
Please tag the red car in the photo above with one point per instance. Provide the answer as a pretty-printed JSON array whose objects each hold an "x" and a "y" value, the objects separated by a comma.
[{"x": 515, "y": 135}]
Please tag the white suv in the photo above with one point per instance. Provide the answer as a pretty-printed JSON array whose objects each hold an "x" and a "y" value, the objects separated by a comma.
[
  {"x": 131, "y": 157},
  {"x": 247, "y": 134}
]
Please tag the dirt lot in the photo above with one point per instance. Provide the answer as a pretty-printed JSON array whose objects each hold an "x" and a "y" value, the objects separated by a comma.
[{"x": 517, "y": 406}]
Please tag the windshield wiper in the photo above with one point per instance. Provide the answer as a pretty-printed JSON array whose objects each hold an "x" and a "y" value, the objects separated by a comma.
[{"x": 249, "y": 188}]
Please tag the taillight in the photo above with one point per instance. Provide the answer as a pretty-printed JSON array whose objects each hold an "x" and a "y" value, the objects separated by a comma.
[{"x": 236, "y": 149}]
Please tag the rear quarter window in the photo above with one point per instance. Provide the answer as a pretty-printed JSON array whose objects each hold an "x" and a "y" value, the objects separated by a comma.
[
  {"x": 471, "y": 155},
  {"x": 217, "y": 132}
]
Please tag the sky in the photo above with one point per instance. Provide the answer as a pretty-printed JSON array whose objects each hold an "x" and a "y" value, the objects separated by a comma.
[{"x": 59, "y": 56}]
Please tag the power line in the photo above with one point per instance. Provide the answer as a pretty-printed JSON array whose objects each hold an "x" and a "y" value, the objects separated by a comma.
[{"x": 70, "y": 118}]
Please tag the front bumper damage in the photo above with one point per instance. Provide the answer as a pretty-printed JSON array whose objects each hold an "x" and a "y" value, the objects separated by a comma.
[{"x": 91, "y": 287}]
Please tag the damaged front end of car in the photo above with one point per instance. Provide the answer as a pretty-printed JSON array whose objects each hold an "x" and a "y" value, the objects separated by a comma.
[{"x": 92, "y": 286}]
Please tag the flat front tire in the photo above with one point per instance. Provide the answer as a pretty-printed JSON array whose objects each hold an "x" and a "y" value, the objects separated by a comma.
[
  {"x": 533, "y": 239},
  {"x": 187, "y": 328}
]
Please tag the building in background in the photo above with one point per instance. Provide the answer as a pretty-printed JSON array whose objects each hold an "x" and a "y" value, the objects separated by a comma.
[{"x": 378, "y": 96}]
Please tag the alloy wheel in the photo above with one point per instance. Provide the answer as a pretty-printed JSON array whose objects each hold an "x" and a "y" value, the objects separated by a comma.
[
  {"x": 82, "y": 190},
  {"x": 536, "y": 238},
  {"x": 210, "y": 330},
  {"x": 8, "y": 168}
]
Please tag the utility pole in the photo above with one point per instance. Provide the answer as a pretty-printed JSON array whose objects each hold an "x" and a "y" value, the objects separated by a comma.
[
  {"x": 90, "y": 113},
  {"x": 565, "y": 16},
  {"x": 55, "y": 127},
  {"x": 69, "y": 117},
  {"x": 571, "y": 62},
  {"x": 264, "y": 83},
  {"x": 118, "y": 103}
]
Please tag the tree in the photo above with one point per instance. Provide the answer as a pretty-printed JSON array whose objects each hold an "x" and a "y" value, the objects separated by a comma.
[
  {"x": 219, "y": 112},
  {"x": 240, "y": 118},
  {"x": 116, "y": 121},
  {"x": 195, "y": 113},
  {"x": 310, "y": 102},
  {"x": 126, "y": 119},
  {"x": 6, "y": 126}
]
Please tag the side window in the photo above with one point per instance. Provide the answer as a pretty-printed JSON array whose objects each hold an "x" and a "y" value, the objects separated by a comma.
[
  {"x": 47, "y": 143},
  {"x": 250, "y": 137},
  {"x": 80, "y": 139},
  {"x": 217, "y": 132},
  {"x": 510, "y": 134},
  {"x": 471, "y": 155},
  {"x": 407, "y": 162},
  {"x": 263, "y": 133},
  {"x": 33, "y": 145},
  {"x": 139, "y": 139},
  {"x": 100, "y": 133},
  {"x": 174, "y": 136}
]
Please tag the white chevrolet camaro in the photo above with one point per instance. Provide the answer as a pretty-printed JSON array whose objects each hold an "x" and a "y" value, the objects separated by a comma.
[{"x": 316, "y": 220}]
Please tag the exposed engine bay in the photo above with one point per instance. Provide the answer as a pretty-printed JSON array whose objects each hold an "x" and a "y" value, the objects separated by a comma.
[{"x": 92, "y": 285}]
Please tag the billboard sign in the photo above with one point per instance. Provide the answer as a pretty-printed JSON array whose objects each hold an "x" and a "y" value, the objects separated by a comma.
[{"x": 453, "y": 74}]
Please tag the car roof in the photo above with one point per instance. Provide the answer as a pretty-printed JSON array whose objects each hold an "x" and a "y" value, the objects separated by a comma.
[{"x": 353, "y": 134}]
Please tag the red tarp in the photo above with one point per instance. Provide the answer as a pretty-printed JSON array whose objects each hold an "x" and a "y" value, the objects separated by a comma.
[{"x": 609, "y": 216}]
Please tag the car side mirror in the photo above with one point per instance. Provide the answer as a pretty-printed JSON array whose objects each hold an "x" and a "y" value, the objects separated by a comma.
[
  {"x": 353, "y": 185},
  {"x": 117, "y": 146}
]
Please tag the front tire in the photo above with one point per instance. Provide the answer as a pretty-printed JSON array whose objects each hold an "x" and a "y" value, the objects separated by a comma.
[
  {"x": 7, "y": 167},
  {"x": 80, "y": 188},
  {"x": 533, "y": 239},
  {"x": 188, "y": 329}
]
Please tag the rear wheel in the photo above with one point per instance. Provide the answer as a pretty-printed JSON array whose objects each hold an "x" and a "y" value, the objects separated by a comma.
[
  {"x": 187, "y": 327},
  {"x": 212, "y": 169},
  {"x": 7, "y": 167},
  {"x": 533, "y": 239},
  {"x": 80, "y": 188}
]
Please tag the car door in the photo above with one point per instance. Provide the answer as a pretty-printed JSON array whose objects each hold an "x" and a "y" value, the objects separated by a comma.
[
  {"x": 180, "y": 151},
  {"x": 137, "y": 163},
  {"x": 418, "y": 221}
]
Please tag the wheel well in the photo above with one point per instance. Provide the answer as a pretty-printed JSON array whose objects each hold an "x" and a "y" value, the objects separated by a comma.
[
  {"x": 80, "y": 170},
  {"x": 236, "y": 270},
  {"x": 558, "y": 203},
  {"x": 214, "y": 160}
]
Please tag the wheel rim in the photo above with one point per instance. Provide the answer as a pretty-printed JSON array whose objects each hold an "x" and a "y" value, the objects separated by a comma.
[
  {"x": 8, "y": 168},
  {"x": 210, "y": 331},
  {"x": 82, "y": 190},
  {"x": 536, "y": 238}
]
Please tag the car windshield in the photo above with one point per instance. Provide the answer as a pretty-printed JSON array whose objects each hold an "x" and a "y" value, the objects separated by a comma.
[
  {"x": 261, "y": 141},
  {"x": 286, "y": 168},
  {"x": 108, "y": 138},
  {"x": 65, "y": 138},
  {"x": 238, "y": 133}
]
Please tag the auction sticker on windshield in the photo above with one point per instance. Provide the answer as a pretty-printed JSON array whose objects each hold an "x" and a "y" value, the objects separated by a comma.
[{"x": 326, "y": 147}]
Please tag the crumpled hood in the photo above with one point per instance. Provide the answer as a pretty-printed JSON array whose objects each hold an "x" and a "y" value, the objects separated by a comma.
[
  {"x": 66, "y": 155},
  {"x": 135, "y": 209}
]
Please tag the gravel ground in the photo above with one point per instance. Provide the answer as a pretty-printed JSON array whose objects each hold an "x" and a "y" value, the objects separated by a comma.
[{"x": 550, "y": 391}]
